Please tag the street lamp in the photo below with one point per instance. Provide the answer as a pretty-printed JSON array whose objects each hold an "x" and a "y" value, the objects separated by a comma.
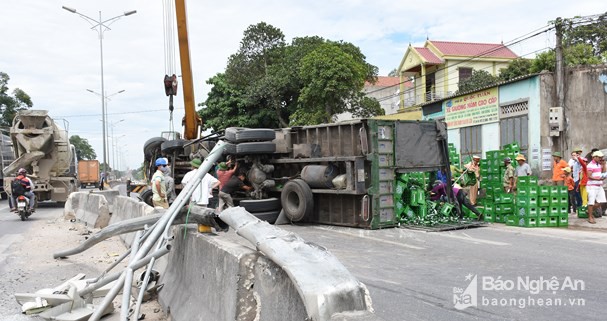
[
  {"x": 114, "y": 147},
  {"x": 105, "y": 121},
  {"x": 100, "y": 26}
]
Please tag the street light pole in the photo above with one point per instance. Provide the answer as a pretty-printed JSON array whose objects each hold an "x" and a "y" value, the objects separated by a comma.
[
  {"x": 104, "y": 120},
  {"x": 100, "y": 26}
]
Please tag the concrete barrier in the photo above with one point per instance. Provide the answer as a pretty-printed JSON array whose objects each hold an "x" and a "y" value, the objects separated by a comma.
[
  {"x": 110, "y": 196},
  {"x": 213, "y": 277},
  {"x": 127, "y": 208},
  {"x": 88, "y": 208}
]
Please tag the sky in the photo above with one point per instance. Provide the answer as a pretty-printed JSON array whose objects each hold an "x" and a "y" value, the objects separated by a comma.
[{"x": 54, "y": 55}]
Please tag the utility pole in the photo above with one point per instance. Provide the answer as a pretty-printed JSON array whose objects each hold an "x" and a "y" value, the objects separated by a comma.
[{"x": 560, "y": 79}]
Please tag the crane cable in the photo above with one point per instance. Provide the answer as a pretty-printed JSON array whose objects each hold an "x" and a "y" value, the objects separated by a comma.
[{"x": 168, "y": 21}]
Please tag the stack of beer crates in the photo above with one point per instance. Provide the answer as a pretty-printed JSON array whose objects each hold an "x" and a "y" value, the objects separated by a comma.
[
  {"x": 497, "y": 205},
  {"x": 540, "y": 206},
  {"x": 453, "y": 155}
]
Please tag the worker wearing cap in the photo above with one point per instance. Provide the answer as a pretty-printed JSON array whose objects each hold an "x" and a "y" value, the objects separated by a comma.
[
  {"x": 474, "y": 166},
  {"x": 576, "y": 173},
  {"x": 509, "y": 176},
  {"x": 159, "y": 189},
  {"x": 558, "y": 177},
  {"x": 594, "y": 187},
  {"x": 203, "y": 191},
  {"x": 522, "y": 169}
]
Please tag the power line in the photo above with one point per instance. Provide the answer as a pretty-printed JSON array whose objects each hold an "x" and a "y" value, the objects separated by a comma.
[{"x": 121, "y": 113}]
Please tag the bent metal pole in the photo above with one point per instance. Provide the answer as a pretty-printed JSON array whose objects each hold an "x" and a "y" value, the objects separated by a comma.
[{"x": 166, "y": 220}]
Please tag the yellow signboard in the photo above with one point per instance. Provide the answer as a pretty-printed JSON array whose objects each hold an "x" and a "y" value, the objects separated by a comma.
[{"x": 474, "y": 109}]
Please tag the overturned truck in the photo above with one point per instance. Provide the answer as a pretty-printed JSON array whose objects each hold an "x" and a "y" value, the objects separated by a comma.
[{"x": 337, "y": 174}]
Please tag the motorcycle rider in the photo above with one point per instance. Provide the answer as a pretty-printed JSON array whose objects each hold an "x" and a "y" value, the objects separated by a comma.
[{"x": 28, "y": 186}]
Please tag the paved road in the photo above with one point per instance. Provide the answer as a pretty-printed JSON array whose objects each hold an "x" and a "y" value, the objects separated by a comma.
[{"x": 411, "y": 275}]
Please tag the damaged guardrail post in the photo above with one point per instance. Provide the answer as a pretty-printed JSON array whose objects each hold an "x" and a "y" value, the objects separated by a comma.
[
  {"x": 163, "y": 224},
  {"x": 126, "y": 291}
]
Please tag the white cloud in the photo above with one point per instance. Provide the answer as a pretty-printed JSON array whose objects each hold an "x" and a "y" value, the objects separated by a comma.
[{"x": 54, "y": 56}]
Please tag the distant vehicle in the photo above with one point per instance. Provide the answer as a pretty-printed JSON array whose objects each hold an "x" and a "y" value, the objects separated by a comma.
[
  {"x": 43, "y": 149},
  {"x": 88, "y": 173}
]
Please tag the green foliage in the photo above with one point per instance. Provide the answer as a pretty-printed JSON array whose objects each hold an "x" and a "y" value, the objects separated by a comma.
[
  {"x": 584, "y": 31},
  {"x": 479, "y": 79},
  {"x": 83, "y": 149},
  {"x": 393, "y": 73},
  {"x": 581, "y": 54},
  {"x": 269, "y": 83},
  {"x": 517, "y": 67},
  {"x": 543, "y": 61},
  {"x": 10, "y": 105}
]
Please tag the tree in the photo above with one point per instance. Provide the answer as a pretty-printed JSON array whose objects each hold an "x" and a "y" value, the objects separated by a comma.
[
  {"x": 83, "y": 148},
  {"x": 264, "y": 82},
  {"x": 580, "y": 30},
  {"x": 517, "y": 67},
  {"x": 10, "y": 105},
  {"x": 478, "y": 79},
  {"x": 393, "y": 73}
]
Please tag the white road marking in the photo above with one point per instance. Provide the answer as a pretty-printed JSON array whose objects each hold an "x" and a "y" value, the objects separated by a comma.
[
  {"x": 363, "y": 236},
  {"x": 598, "y": 237},
  {"x": 474, "y": 240}
]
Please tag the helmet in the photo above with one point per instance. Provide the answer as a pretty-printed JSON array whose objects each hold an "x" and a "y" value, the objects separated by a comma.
[
  {"x": 161, "y": 161},
  {"x": 21, "y": 171}
]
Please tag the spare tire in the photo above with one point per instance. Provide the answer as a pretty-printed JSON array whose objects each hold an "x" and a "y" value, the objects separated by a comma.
[
  {"x": 152, "y": 144},
  {"x": 266, "y": 205},
  {"x": 239, "y": 134},
  {"x": 171, "y": 146},
  {"x": 297, "y": 200},
  {"x": 255, "y": 148}
]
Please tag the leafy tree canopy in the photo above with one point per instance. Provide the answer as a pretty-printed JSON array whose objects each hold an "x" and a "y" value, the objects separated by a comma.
[
  {"x": 269, "y": 83},
  {"x": 83, "y": 148},
  {"x": 478, "y": 79},
  {"x": 11, "y": 104}
]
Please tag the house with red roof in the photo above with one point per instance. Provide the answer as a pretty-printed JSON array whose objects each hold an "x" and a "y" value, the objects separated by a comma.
[{"x": 436, "y": 68}]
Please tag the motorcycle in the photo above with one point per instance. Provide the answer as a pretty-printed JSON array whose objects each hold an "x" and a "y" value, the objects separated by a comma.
[{"x": 23, "y": 207}]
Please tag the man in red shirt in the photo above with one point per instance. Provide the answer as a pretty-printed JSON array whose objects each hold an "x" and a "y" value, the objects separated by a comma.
[{"x": 224, "y": 174}]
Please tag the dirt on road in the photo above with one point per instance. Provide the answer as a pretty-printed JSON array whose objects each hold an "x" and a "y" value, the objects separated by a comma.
[{"x": 30, "y": 265}]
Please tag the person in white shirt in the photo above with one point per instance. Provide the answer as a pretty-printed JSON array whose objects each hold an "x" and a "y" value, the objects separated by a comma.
[{"x": 204, "y": 191}]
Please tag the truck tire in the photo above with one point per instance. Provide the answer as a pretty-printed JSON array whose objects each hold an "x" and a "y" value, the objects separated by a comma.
[
  {"x": 239, "y": 134},
  {"x": 257, "y": 206},
  {"x": 146, "y": 197},
  {"x": 152, "y": 144},
  {"x": 255, "y": 148},
  {"x": 269, "y": 217},
  {"x": 171, "y": 146},
  {"x": 297, "y": 200},
  {"x": 230, "y": 149}
]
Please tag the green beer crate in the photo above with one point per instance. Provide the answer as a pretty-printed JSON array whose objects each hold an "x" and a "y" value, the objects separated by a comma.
[
  {"x": 526, "y": 211},
  {"x": 489, "y": 217},
  {"x": 530, "y": 191},
  {"x": 527, "y": 181},
  {"x": 543, "y": 201},
  {"x": 553, "y": 221},
  {"x": 512, "y": 220},
  {"x": 582, "y": 212},
  {"x": 564, "y": 201},
  {"x": 554, "y": 200},
  {"x": 503, "y": 198},
  {"x": 554, "y": 211},
  {"x": 447, "y": 209},
  {"x": 564, "y": 210},
  {"x": 558, "y": 190},
  {"x": 542, "y": 211},
  {"x": 543, "y": 190},
  {"x": 563, "y": 221},
  {"x": 484, "y": 172},
  {"x": 497, "y": 218},
  {"x": 542, "y": 221},
  {"x": 526, "y": 201},
  {"x": 492, "y": 154},
  {"x": 527, "y": 221},
  {"x": 505, "y": 209}
]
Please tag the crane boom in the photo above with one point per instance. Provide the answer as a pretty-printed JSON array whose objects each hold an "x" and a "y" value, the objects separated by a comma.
[{"x": 191, "y": 120}]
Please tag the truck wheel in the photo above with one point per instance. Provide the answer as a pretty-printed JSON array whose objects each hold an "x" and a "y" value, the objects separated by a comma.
[
  {"x": 151, "y": 144},
  {"x": 297, "y": 200},
  {"x": 255, "y": 148},
  {"x": 171, "y": 146},
  {"x": 146, "y": 197},
  {"x": 239, "y": 135},
  {"x": 257, "y": 206}
]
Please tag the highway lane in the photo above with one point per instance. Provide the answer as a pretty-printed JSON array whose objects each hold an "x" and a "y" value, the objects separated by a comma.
[{"x": 414, "y": 275}]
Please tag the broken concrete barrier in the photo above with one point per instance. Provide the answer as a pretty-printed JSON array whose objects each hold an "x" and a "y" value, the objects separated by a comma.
[{"x": 88, "y": 208}]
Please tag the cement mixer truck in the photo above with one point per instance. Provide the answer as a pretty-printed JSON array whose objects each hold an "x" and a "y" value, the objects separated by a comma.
[{"x": 43, "y": 149}]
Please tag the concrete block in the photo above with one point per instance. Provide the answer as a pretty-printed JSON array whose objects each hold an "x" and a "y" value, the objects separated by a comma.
[
  {"x": 234, "y": 282},
  {"x": 127, "y": 208},
  {"x": 110, "y": 196},
  {"x": 88, "y": 208}
]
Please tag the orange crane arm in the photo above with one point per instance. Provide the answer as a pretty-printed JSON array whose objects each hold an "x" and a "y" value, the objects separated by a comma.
[{"x": 191, "y": 120}]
